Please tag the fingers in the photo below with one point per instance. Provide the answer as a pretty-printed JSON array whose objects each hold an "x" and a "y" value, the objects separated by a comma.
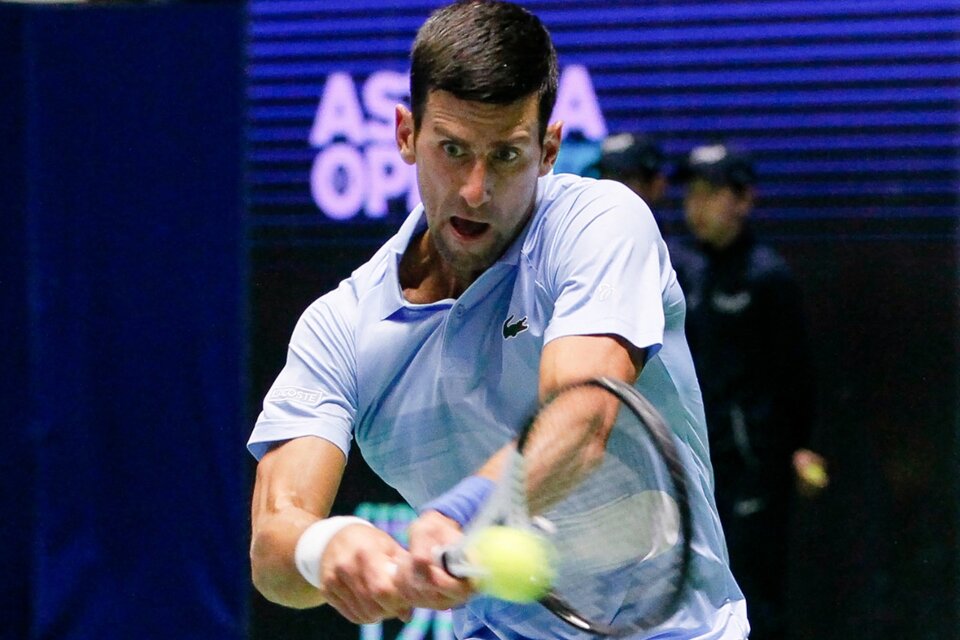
[
  {"x": 420, "y": 578},
  {"x": 357, "y": 592},
  {"x": 358, "y": 574},
  {"x": 368, "y": 577},
  {"x": 427, "y": 585}
]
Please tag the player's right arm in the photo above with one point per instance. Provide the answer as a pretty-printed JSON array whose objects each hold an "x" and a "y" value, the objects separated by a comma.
[{"x": 295, "y": 487}]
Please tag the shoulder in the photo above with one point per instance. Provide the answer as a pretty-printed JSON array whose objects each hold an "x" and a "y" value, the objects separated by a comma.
[
  {"x": 570, "y": 205},
  {"x": 341, "y": 307},
  {"x": 330, "y": 318},
  {"x": 575, "y": 194}
]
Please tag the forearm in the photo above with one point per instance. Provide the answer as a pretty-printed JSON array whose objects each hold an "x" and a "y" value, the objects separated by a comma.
[
  {"x": 492, "y": 469},
  {"x": 295, "y": 487},
  {"x": 273, "y": 568},
  {"x": 564, "y": 361}
]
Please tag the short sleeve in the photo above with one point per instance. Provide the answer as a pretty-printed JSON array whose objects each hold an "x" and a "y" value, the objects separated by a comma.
[
  {"x": 606, "y": 269},
  {"x": 315, "y": 392}
]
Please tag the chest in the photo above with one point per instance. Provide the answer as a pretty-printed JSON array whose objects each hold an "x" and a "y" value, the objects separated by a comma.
[{"x": 440, "y": 388}]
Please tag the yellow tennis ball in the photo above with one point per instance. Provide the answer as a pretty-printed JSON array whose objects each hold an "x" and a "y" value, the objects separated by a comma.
[
  {"x": 816, "y": 475},
  {"x": 517, "y": 564}
]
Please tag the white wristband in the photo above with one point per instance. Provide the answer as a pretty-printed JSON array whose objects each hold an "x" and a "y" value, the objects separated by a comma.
[{"x": 313, "y": 541}]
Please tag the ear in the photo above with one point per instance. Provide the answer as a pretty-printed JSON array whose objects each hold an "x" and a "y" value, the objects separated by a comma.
[
  {"x": 405, "y": 134},
  {"x": 745, "y": 203},
  {"x": 658, "y": 188},
  {"x": 551, "y": 147}
]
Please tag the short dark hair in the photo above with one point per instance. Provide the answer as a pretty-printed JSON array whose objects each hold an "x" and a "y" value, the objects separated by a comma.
[{"x": 485, "y": 51}]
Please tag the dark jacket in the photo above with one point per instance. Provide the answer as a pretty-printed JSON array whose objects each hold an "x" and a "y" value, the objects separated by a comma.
[{"x": 746, "y": 332}]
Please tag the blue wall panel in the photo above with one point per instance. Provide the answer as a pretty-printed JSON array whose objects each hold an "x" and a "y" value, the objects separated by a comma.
[
  {"x": 125, "y": 361},
  {"x": 17, "y": 468}
]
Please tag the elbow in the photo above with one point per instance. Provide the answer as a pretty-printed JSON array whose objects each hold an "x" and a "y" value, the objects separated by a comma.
[
  {"x": 593, "y": 454},
  {"x": 265, "y": 587},
  {"x": 261, "y": 571},
  {"x": 274, "y": 580},
  {"x": 273, "y": 591}
]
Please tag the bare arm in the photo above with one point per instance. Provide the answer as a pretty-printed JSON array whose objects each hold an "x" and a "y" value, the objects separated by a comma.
[
  {"x": 572, "y": 359},
  {"x": 564, "y": 361},
  {"x": 570, "y": 441},
  {"x": 295, "y": 486},
  {"x": 364, "y": 573}
]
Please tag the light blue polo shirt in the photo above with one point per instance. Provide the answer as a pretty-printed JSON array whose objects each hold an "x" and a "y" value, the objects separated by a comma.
[{"x": 430, "y": 391}]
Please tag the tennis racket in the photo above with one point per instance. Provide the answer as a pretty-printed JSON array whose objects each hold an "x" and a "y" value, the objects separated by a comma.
[{"x": 610, "y": 502}]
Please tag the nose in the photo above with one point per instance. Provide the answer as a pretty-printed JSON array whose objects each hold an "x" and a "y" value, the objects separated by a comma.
[{"x": 476, "y": 187}]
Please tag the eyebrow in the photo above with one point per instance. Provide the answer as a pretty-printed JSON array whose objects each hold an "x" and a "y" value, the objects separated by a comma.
[
  {"x": 443, "y": 133},
  {"x": 516, "y": 138}
]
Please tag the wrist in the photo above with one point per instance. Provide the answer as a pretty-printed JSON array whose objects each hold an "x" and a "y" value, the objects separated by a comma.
[
  {"x": 462, "y": 502},
  {"x": 313, "y": 542}
]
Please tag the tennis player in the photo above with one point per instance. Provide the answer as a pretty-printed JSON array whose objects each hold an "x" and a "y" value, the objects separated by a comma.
[{"x": 507, "y": 282}]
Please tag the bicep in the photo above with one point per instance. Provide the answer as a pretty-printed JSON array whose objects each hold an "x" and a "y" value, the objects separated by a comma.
[{"x": 571, "y": 359}]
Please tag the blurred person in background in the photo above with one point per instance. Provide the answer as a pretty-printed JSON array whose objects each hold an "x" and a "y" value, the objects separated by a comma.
[
  {"x": 745, "y": 327},
  {"x": 638, "y": 162}
]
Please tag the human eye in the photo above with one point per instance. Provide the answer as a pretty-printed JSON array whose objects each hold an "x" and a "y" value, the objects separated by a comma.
[
  {"x": 506, "y": 154},
  {"x": 452, "y": 149}
]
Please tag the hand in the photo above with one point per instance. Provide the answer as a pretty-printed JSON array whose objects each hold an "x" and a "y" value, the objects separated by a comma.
[
  {"x": 358, "y": 572},
  {"x": 421, "y": 581},
  {"x": 811, "y": 471}
]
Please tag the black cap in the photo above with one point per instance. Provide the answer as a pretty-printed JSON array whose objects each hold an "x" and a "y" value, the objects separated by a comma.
[
  {"x": 718, "y": 164},
  {"x": 625, "y": 154}
]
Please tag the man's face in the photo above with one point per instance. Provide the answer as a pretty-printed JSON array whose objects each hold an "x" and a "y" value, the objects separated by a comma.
[
  {"x": 715, "y": 214},
  {"x": 477, "y": 170}
]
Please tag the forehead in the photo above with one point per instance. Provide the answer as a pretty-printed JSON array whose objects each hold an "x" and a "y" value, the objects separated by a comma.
[
  {"x": 699, "y": 184},
  {"x": 517, "y": 121}
]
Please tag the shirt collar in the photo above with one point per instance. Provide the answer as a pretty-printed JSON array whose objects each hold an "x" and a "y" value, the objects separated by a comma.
[{"x": 392, "y": 299}]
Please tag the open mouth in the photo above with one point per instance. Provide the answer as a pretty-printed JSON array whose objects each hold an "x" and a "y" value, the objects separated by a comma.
[{"x": 468, "y": 228}]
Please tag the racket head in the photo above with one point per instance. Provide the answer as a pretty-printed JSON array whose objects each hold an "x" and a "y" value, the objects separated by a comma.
[{"x": 613, "y": 502}]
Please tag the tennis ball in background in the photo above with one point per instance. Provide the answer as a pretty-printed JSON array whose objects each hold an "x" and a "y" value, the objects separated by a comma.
[
  {"x": 517, "y": 564},
  {"x": 815, "y": 475}
]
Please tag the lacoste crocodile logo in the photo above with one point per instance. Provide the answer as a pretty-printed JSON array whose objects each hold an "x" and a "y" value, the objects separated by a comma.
[{"x": 512, "y": 330}]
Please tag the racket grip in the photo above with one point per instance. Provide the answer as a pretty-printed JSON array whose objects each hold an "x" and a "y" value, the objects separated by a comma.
[{"x": 452, "y": 559}]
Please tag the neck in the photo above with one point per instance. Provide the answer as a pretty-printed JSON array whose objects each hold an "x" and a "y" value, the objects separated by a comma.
[{"x": 426, "y": 277}]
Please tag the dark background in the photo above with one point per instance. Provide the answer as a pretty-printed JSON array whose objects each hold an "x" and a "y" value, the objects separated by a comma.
[
  {"x": 160, "y": 242},
  {"x": 123, "y": 336}
]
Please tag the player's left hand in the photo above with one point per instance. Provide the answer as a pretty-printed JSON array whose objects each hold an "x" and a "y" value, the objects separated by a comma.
[{"x": 420, "y": 580}]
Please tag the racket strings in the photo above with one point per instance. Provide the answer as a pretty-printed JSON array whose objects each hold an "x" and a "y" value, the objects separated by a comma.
[
  {"x": 565, "y": 444},
  {"x": 617, "y": 517}
]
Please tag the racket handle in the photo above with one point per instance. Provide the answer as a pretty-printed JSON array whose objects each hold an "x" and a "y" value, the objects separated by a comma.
[{"x": 453, "y": 560}]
